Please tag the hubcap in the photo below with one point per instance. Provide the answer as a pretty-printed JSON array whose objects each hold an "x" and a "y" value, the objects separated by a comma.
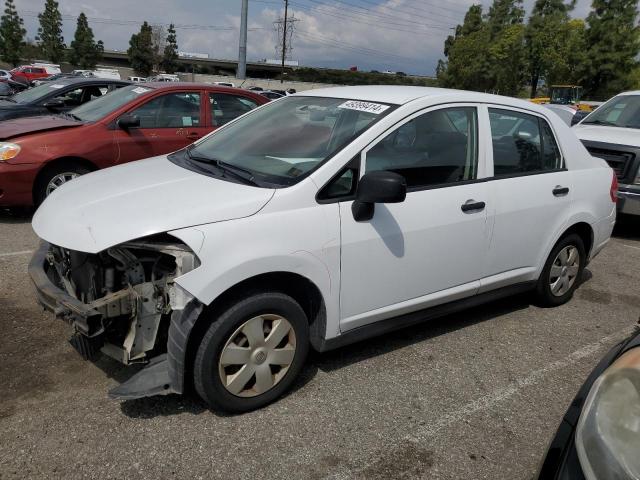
[
  {"x": 564, "y": 270},
  {"x": 257, "y": 356},
  {"x": 59, "y": 180}
]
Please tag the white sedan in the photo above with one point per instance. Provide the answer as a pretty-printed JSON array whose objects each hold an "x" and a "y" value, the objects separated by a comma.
[{"x": 321, "y": 219}]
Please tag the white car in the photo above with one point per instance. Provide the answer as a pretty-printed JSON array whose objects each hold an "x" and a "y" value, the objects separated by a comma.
[
  {"x": 321, "y": 219},
  {"x": 611, "y": 133}
]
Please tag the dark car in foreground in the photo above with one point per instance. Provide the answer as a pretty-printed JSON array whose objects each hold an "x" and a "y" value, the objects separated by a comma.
[
  {"x": 599, "y": 436},
  {"x": 39, "y": 154},
  {"x": 58, "y": 96}
]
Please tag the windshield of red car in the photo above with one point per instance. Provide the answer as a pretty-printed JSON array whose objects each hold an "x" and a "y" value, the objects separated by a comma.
[{"x": 102, "y": 106}]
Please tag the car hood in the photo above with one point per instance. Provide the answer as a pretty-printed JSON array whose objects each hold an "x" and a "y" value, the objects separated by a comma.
[
  {"x": 127, "y": 202},
  {"x": 605, "y": 134},
  {"x": 25, "y": 126}
]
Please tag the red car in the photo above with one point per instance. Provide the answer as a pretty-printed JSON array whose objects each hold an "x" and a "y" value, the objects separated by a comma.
[
  {"x": 38, "y": 154},
  {"x": 29, "y": 73}
]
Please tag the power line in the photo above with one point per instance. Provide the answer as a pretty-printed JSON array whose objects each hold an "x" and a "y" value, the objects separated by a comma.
[
  {"x": 351, "y": 19},
  {"x": 375, "y": 12},
  {"x": 376, "y": 17}
]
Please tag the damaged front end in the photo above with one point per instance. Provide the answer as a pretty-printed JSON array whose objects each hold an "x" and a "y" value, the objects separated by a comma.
[{"x": 119, "y": 302}]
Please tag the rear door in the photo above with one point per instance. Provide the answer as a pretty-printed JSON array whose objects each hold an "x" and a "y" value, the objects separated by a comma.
[
  {"x": 225, "y": 107},
  {"x": 168, "y": 122},
  {"x": 530, "y": 192}
]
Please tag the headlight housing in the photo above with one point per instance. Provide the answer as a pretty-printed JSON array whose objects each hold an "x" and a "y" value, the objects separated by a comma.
[
  {"x": 608, "y": 432},
  {"x": 8, "y": 150}
]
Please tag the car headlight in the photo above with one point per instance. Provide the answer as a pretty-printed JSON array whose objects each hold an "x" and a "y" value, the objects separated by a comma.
[
  {"x": 608, "y": 433},
  {"x": 8, "y": 150}
]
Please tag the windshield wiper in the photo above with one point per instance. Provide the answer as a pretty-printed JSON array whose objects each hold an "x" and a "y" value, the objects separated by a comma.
[
  {"x": 239, "y": 173},
  {"x": 9, "y": 99},
  {"x": 71, "y": 115},
  {"x": 600, "y": 122}
]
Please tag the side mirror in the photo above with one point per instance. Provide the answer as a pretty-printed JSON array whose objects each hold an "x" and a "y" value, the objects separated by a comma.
[
  {"x": 127, "y": 122},
  {"x": 54, "y": 104},
  {"x": 377, "y": 187}
]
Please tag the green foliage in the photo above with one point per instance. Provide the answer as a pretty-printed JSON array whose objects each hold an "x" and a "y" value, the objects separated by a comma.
[
  {"x": 345, "y": 77},
  {"x": 546, "y": 41},
  {"x": 50, "y": 32},
  {"x": 140, "y": 52},
  {"x": 613, "y": 45},
  {"x": 170, "y": 60},
  {"x": 486, "y": 52},
  {"x": 84, "y": 51},
  {"x": 11, "y": 35}
]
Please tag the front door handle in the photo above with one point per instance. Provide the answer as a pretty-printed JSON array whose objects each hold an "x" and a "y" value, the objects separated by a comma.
[
  {"x": 560, "y": 191},
  {"x": 472, "y": 206},
  {"x": 193, "y": 136}
]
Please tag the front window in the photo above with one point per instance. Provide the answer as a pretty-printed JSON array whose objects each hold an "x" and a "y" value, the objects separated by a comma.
[
  {"x": 621, "y": 111},
  {"x": 103, "y": 106},
  {"x": 282, "y": 142}
]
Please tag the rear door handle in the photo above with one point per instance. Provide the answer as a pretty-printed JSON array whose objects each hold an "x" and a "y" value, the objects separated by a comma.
[
  {"x": 560, "y": 191},
  {"x": 193, "y": 136},
  {"x": 472, "y": 206}
]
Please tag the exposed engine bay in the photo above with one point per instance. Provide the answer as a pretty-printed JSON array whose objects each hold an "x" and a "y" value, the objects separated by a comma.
[{"x": 129, "y": 294}]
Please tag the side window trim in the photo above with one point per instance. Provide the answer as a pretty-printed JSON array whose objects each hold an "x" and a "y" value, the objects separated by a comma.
[
  {"x": 540, "y": 117},
  {"x": 482, "y": 129}
]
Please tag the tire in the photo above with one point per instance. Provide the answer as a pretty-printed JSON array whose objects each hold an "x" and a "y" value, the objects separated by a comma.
[
  {"x": 560, "y": 277},
  {"x": 251, "y": 376},
  {"x": 63, "y": 171}
]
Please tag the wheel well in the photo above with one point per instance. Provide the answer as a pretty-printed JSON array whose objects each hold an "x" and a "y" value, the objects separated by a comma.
[
  {"x": 300, "y": 288},
  {"x": 70, "y": 161},
  {"x": 585, "y": 232}
]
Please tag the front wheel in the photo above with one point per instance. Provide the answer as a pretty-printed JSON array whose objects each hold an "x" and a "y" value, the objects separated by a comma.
[
  {"x": 562, "y": 272},
  {"x": 54, "y": 178},
  {"x": 252, "y": 353}
]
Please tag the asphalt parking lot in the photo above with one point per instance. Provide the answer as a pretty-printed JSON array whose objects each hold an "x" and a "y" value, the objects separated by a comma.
[{"x": 473, "y": 395}]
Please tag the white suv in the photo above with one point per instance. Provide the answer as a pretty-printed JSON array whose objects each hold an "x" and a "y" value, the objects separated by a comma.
[{"x": 321, "y": 219}]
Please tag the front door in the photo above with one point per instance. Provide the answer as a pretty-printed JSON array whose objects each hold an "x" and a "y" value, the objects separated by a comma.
[
  {"x": 430, "y": 248},
  {"x": 168, "y": 123}
]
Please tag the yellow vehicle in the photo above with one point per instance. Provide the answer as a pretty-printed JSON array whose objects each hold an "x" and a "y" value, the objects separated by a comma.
[{"x": 564, "y": 95}]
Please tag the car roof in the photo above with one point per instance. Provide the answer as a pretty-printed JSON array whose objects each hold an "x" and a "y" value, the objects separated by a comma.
[
  {"x": 194, "y": 85},
  {"x": 88, "y": 80},
  {"x": 400, "y": 95},
  {"x": 631, "y": 92}
]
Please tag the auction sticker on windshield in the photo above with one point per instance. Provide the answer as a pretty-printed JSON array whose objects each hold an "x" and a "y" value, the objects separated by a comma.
[
  {"x": 140, "y": 90},
  {"x": 56, "y": 86},
  {"x": 376, "y": 108}
]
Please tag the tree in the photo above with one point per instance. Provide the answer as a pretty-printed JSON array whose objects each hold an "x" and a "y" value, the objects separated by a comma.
[
  {"x": 50, "y": 32},
  {"x": 170, "y": 60},
  {"x": 546, "y": 39},
  {"x": 11, "y": 35},
  {"x": 85, "y": 52},
  {"x": 613, "y": 45},
  {"x": 140, "y": 51}
]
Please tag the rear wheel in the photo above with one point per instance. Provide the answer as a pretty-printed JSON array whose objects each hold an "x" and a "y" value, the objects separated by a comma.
[
  {"x": 56, "y": 176},
  {"x": 252, "y": 353},
  {"x": 562, "y": 272}
]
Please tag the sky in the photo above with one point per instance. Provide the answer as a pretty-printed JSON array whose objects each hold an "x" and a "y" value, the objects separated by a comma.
[{"x": 396, "y": 35}]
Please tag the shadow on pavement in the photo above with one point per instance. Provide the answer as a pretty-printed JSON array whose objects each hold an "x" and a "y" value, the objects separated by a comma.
[
  {"x": 627, "y": 227},
  {"x": 17, "y": 215}
]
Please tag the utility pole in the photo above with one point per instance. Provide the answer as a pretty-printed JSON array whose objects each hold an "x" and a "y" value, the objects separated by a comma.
[
  {"x": 241, "y": 73},
  {"x": 284, "y": 39}
]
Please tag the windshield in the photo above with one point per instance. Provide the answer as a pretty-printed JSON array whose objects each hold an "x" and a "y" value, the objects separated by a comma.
[
  {"x": 285, "y": 140},
  {"x": 102, "y": 106},
  {"x": 621, "y": 111},
  {"x": 35, "y": 93}
]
